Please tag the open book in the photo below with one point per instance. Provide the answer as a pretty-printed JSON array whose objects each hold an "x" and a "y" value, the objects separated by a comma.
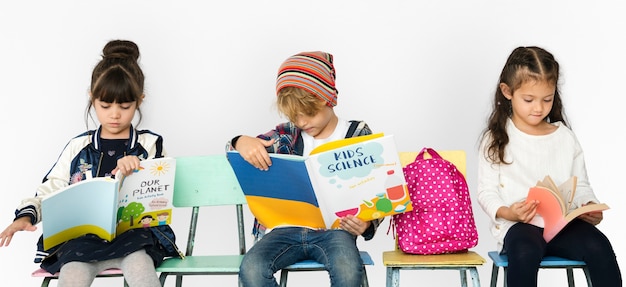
[
  {"x": 555, "y": 204},
  {"x": 361, "y": 176},
  {"x": 108, "y": 206}
]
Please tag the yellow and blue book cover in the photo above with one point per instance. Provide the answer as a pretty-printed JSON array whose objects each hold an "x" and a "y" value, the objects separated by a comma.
[
  {"x": 359, "y": 176},
  {"x": 107, "y": 206}
]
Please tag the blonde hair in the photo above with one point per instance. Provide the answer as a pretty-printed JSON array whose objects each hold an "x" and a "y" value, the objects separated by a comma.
[{"x": 293, "y": 101}]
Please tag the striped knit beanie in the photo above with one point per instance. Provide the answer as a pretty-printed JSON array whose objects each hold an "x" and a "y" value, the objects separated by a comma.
[{"x": 311, "y": 71}]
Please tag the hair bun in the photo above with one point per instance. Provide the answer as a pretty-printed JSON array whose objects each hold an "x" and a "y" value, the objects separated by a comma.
[{"x": 121, "y": 49}]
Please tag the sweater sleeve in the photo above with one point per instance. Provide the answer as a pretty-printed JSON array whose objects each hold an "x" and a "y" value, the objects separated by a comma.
[
  {"x": 371, "y": 230},
  {"x": 488, "y": 195},
  {"x": 57, "y": 178},
  {"x": 584, "y": 191}
]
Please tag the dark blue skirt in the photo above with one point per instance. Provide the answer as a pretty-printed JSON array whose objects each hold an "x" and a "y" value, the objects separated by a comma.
[{"x": 91, "y": 248}]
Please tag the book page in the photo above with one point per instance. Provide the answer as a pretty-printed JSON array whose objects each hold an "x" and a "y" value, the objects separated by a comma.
[
  {"x": 106, "y": 206},
  {"x": 280, "y": 196},
  {"x": 344, "y": 142},
  {"x": 549, "y": 184},
  {"x": 146, "y": 195},
  {"x": 553, "y": 209},
  {"x": 84, "y": 207},
  {"x": 364, "y": 179},
  {"x": 568, "y": 190},
  {"x": 549, "y": 207},
  {"x": 594, "y": 207}
]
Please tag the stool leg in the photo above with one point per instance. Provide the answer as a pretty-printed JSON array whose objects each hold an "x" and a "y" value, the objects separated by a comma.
[
  {"x": 474, "y": 274},
  {"x": 283, "y": 278},
  {"x": 587, "y": 276},
  {"x": 505, "y": 275},
  {"x": 494, "y": 275},
  {"x": 463, "y": 277},
  {"x": 393, "y": 277},
  {"x": 570, "y": 277},
  {"x": 365, "y": 282}
]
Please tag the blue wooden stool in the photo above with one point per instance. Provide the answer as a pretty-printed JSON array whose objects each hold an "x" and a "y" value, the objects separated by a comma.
[
  {"x": 311, "y": 265},
  {"x": 546, "y": 263}
]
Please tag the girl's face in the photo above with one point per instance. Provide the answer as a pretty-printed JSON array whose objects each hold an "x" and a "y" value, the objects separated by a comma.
[
  {"x": 115, "y": 118},
  {"x": 320, "y": 125},
  {"x": 531, "y": 103}
]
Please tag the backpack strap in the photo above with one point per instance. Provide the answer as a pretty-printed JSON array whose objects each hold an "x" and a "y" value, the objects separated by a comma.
[
  {"x": 430, "y": 151},
  {"x": 355, "y": 128}
]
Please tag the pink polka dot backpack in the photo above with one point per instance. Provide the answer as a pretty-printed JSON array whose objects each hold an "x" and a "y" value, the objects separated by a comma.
[{"x": 442, "y": 220}]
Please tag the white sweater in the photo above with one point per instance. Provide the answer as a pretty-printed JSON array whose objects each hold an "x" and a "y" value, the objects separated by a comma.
[{"x": 558, "y": 155}]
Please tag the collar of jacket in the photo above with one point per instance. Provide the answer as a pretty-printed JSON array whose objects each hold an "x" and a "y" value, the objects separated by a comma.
[{"x": 132, "y": 139}]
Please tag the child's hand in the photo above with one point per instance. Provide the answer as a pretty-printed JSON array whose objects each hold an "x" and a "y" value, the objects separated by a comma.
[
  {"x": 253, "y": 151},
  {"x": 127, "y": 165},
  {"x": 354, "y": 225},
  {"x": 523, "y": 211},
  {"x": 592, "y": 217},
  {"x": 20, "y": 224}
]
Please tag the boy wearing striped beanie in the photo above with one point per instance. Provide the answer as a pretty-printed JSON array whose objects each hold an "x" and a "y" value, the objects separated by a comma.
[
  {"x": 306, "y": 95},
  {"x": 313, "y": 72}
]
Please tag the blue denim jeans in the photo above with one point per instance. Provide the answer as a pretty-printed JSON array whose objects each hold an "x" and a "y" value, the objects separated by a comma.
[{"x": 281, "y": 247}]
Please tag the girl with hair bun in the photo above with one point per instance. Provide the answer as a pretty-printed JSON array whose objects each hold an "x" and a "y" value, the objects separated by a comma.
[{"x": 115, "y": 147}]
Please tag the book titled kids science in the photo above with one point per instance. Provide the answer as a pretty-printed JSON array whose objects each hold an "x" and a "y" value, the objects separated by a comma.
[
  {"x": 361, "y": 176},
  {"x": 108, "y": 206}
]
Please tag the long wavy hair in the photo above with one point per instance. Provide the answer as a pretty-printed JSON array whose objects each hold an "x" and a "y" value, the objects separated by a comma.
[{"x": 523, "y": 65}]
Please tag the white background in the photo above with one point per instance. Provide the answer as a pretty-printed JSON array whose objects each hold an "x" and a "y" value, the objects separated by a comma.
[{"x": 424, "y": 71}]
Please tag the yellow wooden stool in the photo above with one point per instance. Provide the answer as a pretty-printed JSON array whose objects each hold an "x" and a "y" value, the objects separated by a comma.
[{"x": 397, "y": 260}]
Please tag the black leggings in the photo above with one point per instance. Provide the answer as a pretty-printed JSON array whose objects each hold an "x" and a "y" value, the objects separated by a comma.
[{"x": 524, "y": 245}]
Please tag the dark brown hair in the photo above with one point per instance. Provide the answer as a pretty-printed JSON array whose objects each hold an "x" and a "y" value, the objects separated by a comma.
[
  {"x": 523, "y": 65},
  {"x": 117, "y": 78}
]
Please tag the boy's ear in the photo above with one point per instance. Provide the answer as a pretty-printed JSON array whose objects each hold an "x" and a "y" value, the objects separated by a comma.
[{"x": 506, "y": 91}]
